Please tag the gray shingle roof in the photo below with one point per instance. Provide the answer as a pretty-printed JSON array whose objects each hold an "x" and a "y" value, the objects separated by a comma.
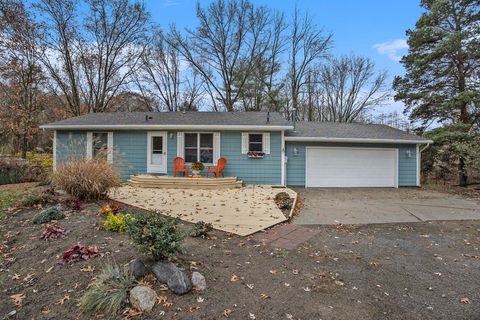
[
  {"x": 173, "y": 119},
  {"x": 336, "y": 130}
]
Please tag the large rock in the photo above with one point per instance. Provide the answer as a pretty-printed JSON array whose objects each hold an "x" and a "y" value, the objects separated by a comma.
[
  {"x": 142, "y": 298},
  {"x": 137, "y": 269},
  {"x": 198, "y": 281},
  {"x": 176, "y": 279}
]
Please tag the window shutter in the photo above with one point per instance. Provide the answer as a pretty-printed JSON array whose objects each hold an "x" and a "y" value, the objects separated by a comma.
[
  {"x": 110, "y": 147},
  {"x": 216, "y": 147},
  {"x": 266, "y": 142},
  {"x": 89, "y": 145},
  {"x": 180, "y": 144},
  {"x": 244, "y": 142}
]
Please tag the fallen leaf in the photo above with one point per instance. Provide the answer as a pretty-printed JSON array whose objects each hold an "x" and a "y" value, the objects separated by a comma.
[
  {"x": 28, "y": 277},
  {"x": 200, "y": 299},
  {"x": 295, "y": 271},
  {"x": 130, "y": 313},
  {"x": 250, "y": 286},
  {"x": 162, "y": 299},
  {"x": 49, "y": 269},
  {"x": 144, "y": 283},
  {"x": 273, "y": 271},
  {"x": 264, "y": 296},
  {"x": 17, "y": 299},
  {"x": 61, "y": 301},
  {"x": 233, "y": 278},
  {"x": 251, "y": 316},
  {"x": 16, "y": 276},
  {"x": 227, "y": 312},
  {"x": 465, "y": 300},
  {"x": 87, "y": 269}
]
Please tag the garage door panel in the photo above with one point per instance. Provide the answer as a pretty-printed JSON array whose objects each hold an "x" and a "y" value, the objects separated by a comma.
[{"x": 351, "y": 167}]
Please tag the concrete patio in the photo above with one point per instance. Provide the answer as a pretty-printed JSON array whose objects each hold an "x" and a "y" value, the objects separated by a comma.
[{"x": 242, "y": 211}]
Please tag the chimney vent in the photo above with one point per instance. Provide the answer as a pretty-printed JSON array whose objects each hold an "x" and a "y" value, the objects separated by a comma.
[{"x": 268, "y": 116}]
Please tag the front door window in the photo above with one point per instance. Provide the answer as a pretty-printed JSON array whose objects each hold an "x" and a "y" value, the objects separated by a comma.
[{"x": 157, "y": 150}]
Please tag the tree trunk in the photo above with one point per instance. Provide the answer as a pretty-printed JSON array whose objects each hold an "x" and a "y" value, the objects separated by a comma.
[
  {"x": 462, "y": 174},
  {"x": 24, "y": 146}
]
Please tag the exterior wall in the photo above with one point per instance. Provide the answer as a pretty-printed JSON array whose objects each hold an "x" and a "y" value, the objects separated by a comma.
[
  {"x": 130, "y": 154},
  {"x": 70, "y": 145},
  {"x": 407, "y": 167}
]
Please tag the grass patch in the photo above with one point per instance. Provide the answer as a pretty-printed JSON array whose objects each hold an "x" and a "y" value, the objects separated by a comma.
[{"x": 12, "y": 195}]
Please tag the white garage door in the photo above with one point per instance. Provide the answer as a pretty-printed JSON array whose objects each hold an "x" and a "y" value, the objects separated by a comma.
[{"x": 351, "y": 167}]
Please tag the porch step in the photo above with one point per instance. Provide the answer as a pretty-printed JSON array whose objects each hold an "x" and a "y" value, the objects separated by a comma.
[{"x": 146, "y": 181}]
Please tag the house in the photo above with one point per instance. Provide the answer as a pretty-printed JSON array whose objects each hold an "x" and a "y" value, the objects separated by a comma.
[{"x": 261, "y": 147}]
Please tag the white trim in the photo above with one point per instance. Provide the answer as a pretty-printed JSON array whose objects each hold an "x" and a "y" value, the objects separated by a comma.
[
  {"x": 166, "y": 127},
  {"x": 198, "y": 133},
  {"x": 110, "y": 147},
  {"x": 284, "y": 169},
  {"x": 54, "y": 150},
  {"x": 216, "y": 147},
  {"x": 180, "y": 144},
  {"x": 354, "y": 148},
  {"x": 89, "y": 154},
  {"x": 357, "y": 140},
  {"x": 419, "y": 155},
  {"x": 156, "y": 168},
  {"x": 266, "y": 142},
  {"x": 245, "y": 142}
]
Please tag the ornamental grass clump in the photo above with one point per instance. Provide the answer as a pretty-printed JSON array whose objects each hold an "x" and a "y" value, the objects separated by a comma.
[
  {"x": 109, "y": 292},
  {"x": 86, "y": 179},
  {"x": 47, "y": 215},
  {"x": 156, "y": 234}
]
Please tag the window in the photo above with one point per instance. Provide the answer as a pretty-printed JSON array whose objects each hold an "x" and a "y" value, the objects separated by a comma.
[
  {"x": 255, "y": 142},
  {"x": 100, "y": 144},
  {"x": 199, "y": 147},
  {"x": 157, "y": 150}
]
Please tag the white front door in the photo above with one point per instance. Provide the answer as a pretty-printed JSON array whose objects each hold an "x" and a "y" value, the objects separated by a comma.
[
  {"x": 351, "y": 167},
  {"x": 157, "y": 152}
]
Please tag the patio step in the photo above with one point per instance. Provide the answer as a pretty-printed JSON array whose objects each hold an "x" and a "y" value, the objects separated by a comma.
[{"x": 146, "y": 181}]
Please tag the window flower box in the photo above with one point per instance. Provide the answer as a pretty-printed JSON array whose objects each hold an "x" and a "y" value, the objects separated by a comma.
[{"x": 255, "y": 154}]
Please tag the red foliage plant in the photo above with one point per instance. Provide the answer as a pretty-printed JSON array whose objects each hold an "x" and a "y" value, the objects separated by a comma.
[
  {"x": 53, "y": 232},
  {"x": 79, "y": 252}
]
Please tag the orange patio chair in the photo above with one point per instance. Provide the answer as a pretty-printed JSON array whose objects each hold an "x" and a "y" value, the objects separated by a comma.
[
  {"x": 222, "y": 162},
  {"x": 179, "y": 166}
]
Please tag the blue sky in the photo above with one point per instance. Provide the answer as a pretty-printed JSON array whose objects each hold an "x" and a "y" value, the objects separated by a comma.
[{"x": 374, "y": 28}]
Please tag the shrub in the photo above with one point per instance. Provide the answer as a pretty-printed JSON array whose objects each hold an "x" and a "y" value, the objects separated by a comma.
[
  {"x": 116, "y": 222},
  {"x": 109, "y": 292},
  {"x": 47, "y": 215},
  {"x": 86, "y": 179},
  {"x": 111, "y": 208},
  {"x": 283, "y": 200},
  {"x": 156, "y": 234},
  {"x": 73, "y": 204},
  {"x": 36, "y": 199},
  {"x": 201, "y": 229}
]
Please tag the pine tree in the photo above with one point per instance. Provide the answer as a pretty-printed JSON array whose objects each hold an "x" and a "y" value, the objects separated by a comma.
[{"x": 443, "y": 65}]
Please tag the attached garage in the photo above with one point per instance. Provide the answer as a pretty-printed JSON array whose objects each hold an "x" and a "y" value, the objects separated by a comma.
[{"x": 351, "y": 167}]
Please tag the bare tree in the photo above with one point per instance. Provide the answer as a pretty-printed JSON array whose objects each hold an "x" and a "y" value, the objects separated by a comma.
[
  {"x": 230, "y": 33},
  {"x": 350, "y": 86},
  {"x": 22, "y": 81},
  {"x": 91, "y": 60},
  {"x": 308, "y": 45}
]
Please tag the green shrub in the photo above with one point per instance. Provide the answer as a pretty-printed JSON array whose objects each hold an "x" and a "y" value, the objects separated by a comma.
[
  {"x": 116, "y": 222},
  {"x": 109, "y": 291},
  {"x": 86, "y": 179},
  {"x": 156, "y": 234},
  {"x": 201, "y": 229},
  {"x": 36, "y": 199},
  {"x": 47, "y": 215}
]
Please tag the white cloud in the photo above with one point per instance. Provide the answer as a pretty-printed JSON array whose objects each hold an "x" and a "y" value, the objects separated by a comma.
[
  {"x": 392, "y": 48},
  {"x": 169, "y": 3}
]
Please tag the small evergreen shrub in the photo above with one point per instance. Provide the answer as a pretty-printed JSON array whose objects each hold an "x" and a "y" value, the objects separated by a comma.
[
  {"x": 116, "y": 222},
  {"x": 283, "y": 200},
  {"x": 47, "y": 215},
  {"x": 109, "y": 291},
  {"x": 201, "y": 229},
  {"x": 156, "y": 234}
]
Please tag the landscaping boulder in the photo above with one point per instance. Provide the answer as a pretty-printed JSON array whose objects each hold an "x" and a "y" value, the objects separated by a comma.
[
  {"x": 137, "y": 269},
  {"x": 198, "y": 281},
  {"x": 176, "y": 279},
  {"x": 143, "y": 298}
]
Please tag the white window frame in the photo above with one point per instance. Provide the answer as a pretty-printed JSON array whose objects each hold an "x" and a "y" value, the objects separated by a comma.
[
  {"x": 262, "y": 143},
  {"x": 109, "y": 145},
  {"x": 198, "y": 145}
]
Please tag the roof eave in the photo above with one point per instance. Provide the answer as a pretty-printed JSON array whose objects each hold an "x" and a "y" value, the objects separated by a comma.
[
  {"x": 166, "y": 127},
  {"x": 358, "y": 140}
]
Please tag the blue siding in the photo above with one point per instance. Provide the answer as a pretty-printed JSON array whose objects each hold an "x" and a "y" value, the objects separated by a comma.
[
  {"x": 70, "y": 145},
  {"x": 130, "y": 152},
  {"x": 407, "y": 167}
]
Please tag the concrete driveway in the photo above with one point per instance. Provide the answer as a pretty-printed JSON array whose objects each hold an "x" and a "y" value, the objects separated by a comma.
[{"x": 378, "y": 205}]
